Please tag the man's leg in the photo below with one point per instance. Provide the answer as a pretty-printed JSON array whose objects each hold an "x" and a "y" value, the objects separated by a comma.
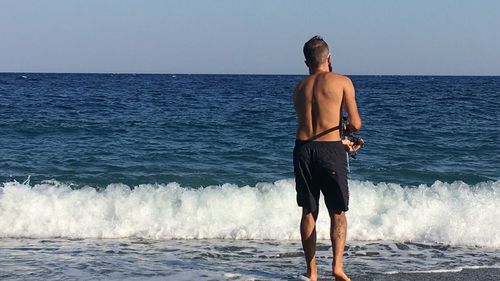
[
  {"x": 338, "y": 230},
  {"x": 308, "y": 234}
]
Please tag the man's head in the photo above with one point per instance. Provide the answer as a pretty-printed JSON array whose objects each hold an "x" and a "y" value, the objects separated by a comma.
[{"x": 316, "y": 52}]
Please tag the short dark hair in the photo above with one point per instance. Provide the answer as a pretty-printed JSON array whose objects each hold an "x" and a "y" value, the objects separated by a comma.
[{"x": 316, "y": 51}]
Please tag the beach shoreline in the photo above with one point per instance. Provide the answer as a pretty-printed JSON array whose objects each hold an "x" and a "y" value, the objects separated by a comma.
[
  {"x": 225, "y": 259},
  {"x": 483, "y": 274}
]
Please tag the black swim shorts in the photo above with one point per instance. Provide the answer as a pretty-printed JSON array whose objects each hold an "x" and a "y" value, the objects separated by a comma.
[{"x": 321, "y": 166}]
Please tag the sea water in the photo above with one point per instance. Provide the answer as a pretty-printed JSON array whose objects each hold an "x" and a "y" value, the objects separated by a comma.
[{"x": 189, "y": 177}]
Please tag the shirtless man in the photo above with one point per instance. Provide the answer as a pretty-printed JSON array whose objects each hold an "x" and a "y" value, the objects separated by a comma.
[{"x": 319, "y": 157}]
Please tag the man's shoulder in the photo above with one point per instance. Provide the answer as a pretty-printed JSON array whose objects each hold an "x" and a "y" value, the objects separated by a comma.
[
  {"x": 336, "y": 82},
  {"x": 302, "y": 83},
  {"x": 337, "y": 77}
]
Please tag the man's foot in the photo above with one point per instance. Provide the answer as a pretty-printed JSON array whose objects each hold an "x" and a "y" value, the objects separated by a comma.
[{"x": 340, "y": 275}]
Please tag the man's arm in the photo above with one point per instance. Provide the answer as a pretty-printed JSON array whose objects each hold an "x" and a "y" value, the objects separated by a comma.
[{"x": 349, "y": 103}]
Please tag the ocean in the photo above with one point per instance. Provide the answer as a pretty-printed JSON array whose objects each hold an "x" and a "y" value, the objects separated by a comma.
[{"x": 189, "y": 177}]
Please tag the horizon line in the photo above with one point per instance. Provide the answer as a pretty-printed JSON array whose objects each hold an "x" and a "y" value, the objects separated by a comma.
[{"x": 242, "y": 74}]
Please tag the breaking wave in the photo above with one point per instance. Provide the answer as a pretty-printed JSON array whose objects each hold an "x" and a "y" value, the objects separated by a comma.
[{"x": 452, "y": 213}]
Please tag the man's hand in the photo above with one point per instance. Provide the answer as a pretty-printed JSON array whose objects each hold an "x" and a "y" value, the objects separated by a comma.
[{"x": 353, "y": 145}]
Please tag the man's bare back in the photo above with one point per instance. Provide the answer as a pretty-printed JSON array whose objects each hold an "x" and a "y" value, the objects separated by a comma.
[{"x": 318, "y": 101}]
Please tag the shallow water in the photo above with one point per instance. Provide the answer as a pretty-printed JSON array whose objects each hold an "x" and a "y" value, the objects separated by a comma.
[{"x": 214, "y": 259}]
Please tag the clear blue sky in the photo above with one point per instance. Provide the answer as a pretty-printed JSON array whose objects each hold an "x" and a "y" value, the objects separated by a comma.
[{"x": 258, "y": 36}]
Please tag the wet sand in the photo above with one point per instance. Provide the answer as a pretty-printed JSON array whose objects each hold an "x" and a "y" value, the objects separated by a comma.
[{"x": 483, "y": 274}]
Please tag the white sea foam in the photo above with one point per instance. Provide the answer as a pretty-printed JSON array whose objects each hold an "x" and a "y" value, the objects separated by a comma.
[
  {"x": 452, "y": 213},
  {"x": 453, "y": 270}
]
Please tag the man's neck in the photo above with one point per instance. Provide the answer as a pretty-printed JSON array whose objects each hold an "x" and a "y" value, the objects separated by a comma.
[{"x": 319, "y": 69}]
